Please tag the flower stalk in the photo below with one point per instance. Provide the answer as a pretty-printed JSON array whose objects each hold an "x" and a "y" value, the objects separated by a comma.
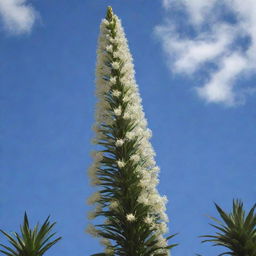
[{"x": 124, "y": 169}]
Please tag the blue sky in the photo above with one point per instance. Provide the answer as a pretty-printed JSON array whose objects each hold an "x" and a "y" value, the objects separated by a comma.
[{"x": 196, "y": 77}]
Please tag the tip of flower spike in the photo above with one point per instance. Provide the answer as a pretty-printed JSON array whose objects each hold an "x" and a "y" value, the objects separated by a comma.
[{"x": 109, "y": 14}]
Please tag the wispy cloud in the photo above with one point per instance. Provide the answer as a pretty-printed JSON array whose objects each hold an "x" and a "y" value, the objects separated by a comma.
[
  {"x": 166, "y": 4},
  {"x": 218, "y": 34},
  {"x": 18, "y": 16}
]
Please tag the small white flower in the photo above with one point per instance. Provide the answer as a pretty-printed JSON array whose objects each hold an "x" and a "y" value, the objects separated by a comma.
[
  {"x": 92, "y": 230},
  {"x": 95, "y": 181},
  {"x": 130, "y": 217},
  {"x": 140, "y": 132},
  {"x": 116, "y": 54},
  {"x": 126, "y": 98},
  {"x": 151, "y": 162},
  {"x": 94, "y": 140},
  {"x": 119, "y": 142},
  {"x": 109, "y": 48},
  {"x": 91, "y": 215},
  {"x": 130, "y": 135},
  {"x": 113, "y": 205},
  {"x": 164, "y": 217},
  {"x": 112, "y": 22},
  {"x": 135, "y": 158},
  {"x": 164, "y": 199},
  {"x": 144, "y": 183},
  {"x": 112, "y": 80},
  {"x": 105, "y": 22},
  {"x": 109, "y": 250},
  {"x": 161, "y": 242},
  {"x": 115, "y": 65},
  {"x": 163, "y": 227},
  {"x": 108, "y": 121},
  {"x": 96, "y": 128},
  {"x": 146, "y": 180},
  {"x": 148, "y": 133},
  {"x": 154, "y": 181},
  {"x": 111, "y": 39},
  {"x": 156, "y": 169},
  {"x": 149, "y": 220},
  {"x": 94, "y": 198},
  {"x": 107, "y": 222},
  {"x": 98, "y": 156},
  {"x": 92, "y": 171},
  {"x": 143, "y": 199},
  {"x": 118, "y": 111},
  {"x": 125, "y": 79},
  {"x": 144, "y": 122},
  {"x": 120, "y": 163},
  {"x": 116, "y": 93},
  {"x": 127, "y": 115},
  {"x": 105, "y": 241}
]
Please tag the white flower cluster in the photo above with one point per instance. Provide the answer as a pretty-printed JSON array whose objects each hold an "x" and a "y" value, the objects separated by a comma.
[
  {"x": 92, "y": 171},
  {"x": 92, "y": 230},
  {"x": 119, "y": 142},
  {"x": 134, "y": 111},
  {"x": 94, "y": 198},
  {"x": 113, "y": 205},
  {"x": 120, "y": 163},
  {"x": 93, "y": 214},
  {"x": 130, "y": 217},
  {"x": 147, "y": 169}
]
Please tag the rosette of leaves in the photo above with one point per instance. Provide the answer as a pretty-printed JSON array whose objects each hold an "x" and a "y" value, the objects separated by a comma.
[
  {"x": 236, "y": 231},
  {"x": 30, "y": 242}
]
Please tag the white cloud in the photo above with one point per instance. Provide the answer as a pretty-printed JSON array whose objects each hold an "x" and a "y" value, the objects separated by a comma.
[
  {"x": 166, "y": 4},
  {"x": 17, "y": 15},
  {"x": 212, "y": 38},
  {"x": 198, "y": 9},
  {"x": 190, "y": 54},
  {"x": 219, "y": 88}
]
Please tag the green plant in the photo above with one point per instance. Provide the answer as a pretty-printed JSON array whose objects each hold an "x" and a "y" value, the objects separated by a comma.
[
  {"x": 236, "y": 231},
  {"x": 31, "y": 242},
  {"x": 124, "y": 168}
]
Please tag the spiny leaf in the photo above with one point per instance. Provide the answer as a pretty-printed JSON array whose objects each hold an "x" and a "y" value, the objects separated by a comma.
[
  {"x": 30, "y": 242},
  {"x": 237, "y": 232}
]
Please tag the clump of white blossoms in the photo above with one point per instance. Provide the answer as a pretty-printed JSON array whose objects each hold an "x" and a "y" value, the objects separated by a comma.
[{"x": 124, "y": 168}]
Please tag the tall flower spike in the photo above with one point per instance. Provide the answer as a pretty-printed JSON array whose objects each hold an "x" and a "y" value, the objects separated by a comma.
[{"x": 126, "y": 172}]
